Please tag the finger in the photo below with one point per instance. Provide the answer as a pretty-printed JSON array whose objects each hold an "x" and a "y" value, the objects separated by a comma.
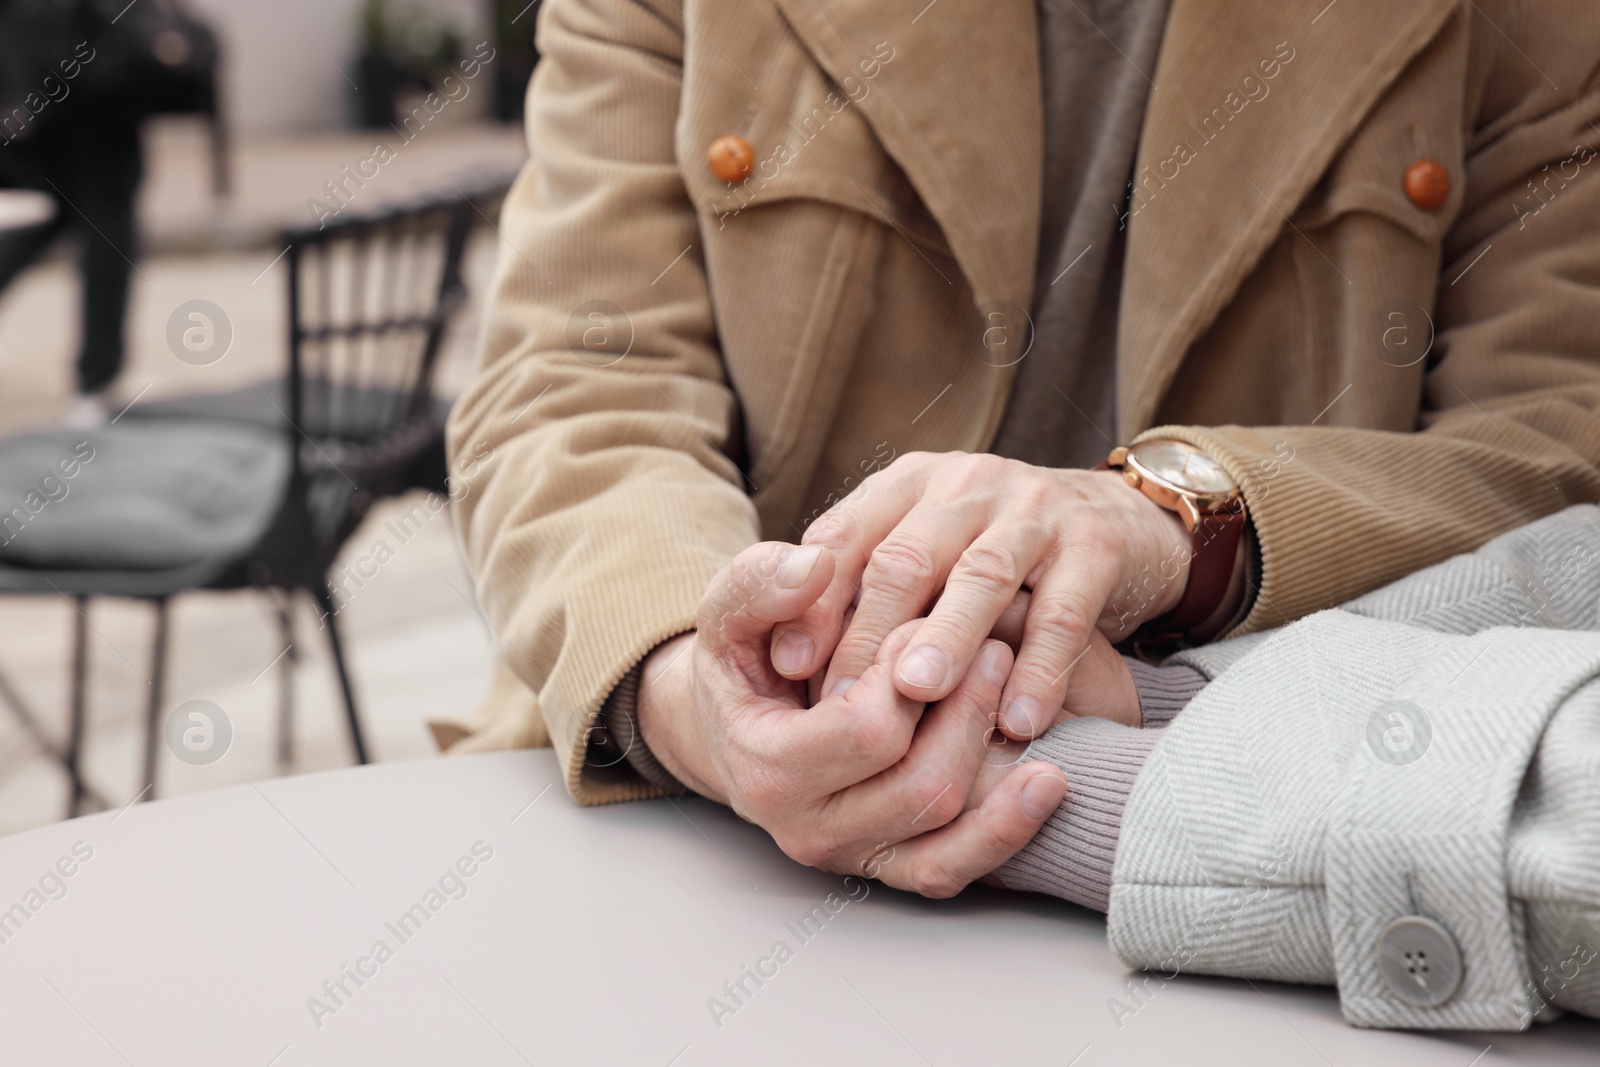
[
  {"x": 901, "y": 579},
  {"x": 765, "y": 584},
  {"x": 814, "y": 683},
  {"x": 785, "y": 761},
  {"x": 945, "y": 861},
  {"x": 981, "y": 585},
  {"x": 1067, "y": 602},
  {"x": 1008, "y": 627},
  {"x": 1101, "y": 685},
  {"x": 849, "y": 737},
  {"x": 850, "y": 531},
  {"x": 931, "y": 785}
]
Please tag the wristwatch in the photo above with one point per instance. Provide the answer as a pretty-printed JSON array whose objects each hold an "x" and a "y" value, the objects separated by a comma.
[{"x": 1183, "y": 479}]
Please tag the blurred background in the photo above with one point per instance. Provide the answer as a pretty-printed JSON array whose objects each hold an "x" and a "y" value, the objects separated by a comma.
[{"x": 168, "y": 171}]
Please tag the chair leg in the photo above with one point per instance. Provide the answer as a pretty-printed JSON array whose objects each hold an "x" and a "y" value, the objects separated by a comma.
[
  {"x": 286, "y": 673},
  {"x": 40, "y": 736},
  {"x": 158, "y": 680},
  {"x": 325, "y": 600},
  {"x": 80, "y": 672}
]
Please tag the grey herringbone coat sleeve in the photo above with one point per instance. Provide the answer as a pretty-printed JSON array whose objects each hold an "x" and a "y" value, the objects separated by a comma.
[{"x": 1429, "y": 750}]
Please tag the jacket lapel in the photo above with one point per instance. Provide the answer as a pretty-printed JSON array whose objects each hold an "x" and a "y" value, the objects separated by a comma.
[
  {"x": 959, "y": 110},
  {"x": 1211, "y": 197}
]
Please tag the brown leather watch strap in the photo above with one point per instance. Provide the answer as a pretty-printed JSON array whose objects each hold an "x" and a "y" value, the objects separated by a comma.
[{"x": 1216, "y": 550}]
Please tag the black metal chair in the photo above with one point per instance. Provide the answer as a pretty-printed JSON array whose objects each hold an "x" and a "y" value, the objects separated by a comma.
[{"x": 203, "y": 493}]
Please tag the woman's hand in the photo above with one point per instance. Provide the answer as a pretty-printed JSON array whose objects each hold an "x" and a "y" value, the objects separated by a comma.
[{"x": 963, "y": 534}]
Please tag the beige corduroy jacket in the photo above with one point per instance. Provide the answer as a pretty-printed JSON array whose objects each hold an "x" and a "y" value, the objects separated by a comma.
[{"x": 1391, "y": 384}]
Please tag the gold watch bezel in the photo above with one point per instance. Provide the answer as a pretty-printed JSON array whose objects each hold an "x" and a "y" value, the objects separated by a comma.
[{"x": 1191, "y": 505}]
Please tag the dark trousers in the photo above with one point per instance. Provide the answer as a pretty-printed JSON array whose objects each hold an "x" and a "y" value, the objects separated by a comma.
[{"x": 92, "y": 171}]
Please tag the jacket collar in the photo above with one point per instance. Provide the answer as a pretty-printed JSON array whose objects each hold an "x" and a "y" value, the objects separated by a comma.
[
  {"x": 964, "y": 81},
  {"x": 1193, "y": 238},
  {"x": 1212, "y": 212}
]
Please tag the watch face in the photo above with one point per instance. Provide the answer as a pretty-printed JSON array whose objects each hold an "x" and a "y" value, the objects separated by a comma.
[{"x": 1183, "y": 467}]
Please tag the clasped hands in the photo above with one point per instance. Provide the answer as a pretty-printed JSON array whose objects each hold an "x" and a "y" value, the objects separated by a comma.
[{"x": 867, "y": 696}]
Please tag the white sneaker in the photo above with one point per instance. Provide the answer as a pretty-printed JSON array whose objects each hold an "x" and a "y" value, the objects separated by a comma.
[{"x": 85, "y": 413}]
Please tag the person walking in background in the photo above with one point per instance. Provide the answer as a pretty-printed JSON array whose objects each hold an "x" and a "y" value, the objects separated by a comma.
[{"x": 77, "y": 80}]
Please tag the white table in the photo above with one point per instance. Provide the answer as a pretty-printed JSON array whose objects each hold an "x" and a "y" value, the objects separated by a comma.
[{"x": 199, "y": 927}]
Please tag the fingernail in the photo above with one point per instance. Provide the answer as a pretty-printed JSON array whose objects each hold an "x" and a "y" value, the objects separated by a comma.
[
  {"x": 1043, "y": 794},
  {"x": 1021, "y": 716},
  {"x": 925, "y": 667},
  {"x": 838, "y": 687},
  {"x": 791, "y": 652},
  {"x": 994, "y": 664},
  {"x": 797, "y": 564}
]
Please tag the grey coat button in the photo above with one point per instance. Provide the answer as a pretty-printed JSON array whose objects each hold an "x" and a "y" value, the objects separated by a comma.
[{"x": 1420, "y": 961}]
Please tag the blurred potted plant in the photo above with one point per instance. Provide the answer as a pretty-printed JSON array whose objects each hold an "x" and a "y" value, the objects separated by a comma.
[{"x": 401, "y": 47}]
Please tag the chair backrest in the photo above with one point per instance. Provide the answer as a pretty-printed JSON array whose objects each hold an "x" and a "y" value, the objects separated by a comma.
[{"x": 370, "y": 297}]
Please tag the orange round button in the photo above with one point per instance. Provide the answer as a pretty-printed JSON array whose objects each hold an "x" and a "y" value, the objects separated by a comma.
[
  {"x": 731, "y": 158},
  {"x": 1427, "y": 184}
]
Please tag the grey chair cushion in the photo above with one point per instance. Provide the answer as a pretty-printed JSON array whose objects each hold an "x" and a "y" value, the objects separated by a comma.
[
  {"x": 361, "y": 414},
  {"x": 262, "y": 404},
  {"x": 141, "y": 495},
  {"x": 349, "y": 411}
]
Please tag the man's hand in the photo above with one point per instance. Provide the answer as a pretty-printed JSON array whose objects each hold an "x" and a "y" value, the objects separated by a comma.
[
  {"x": 964, "y": 534},
  {"x": 1099, "y": 684},
  {"x": 846, "y": 783}
]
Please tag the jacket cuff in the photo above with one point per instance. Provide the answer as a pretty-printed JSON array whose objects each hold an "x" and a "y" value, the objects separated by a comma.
[
  {"x": 1073, "y": 853},
  {"x": 1299, "y": 542}
]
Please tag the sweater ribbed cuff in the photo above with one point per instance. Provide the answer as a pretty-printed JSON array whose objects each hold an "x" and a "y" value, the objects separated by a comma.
[
  {"x": 1072, "y": 854},
  {"x": 1163, "y": 691},
  {"x": 622, "y": 740}
]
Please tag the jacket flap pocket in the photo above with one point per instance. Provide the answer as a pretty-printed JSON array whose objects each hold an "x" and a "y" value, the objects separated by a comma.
[
  {"x": 1385, "y": 199},
  {"x": 1369, "y": 175},
  {"x": 810, "y": 139}
]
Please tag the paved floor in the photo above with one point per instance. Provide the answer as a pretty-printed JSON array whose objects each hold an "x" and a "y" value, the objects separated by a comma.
[
  {"x": 418, "y": 646},
  {"x": 276, "y": 178}
]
